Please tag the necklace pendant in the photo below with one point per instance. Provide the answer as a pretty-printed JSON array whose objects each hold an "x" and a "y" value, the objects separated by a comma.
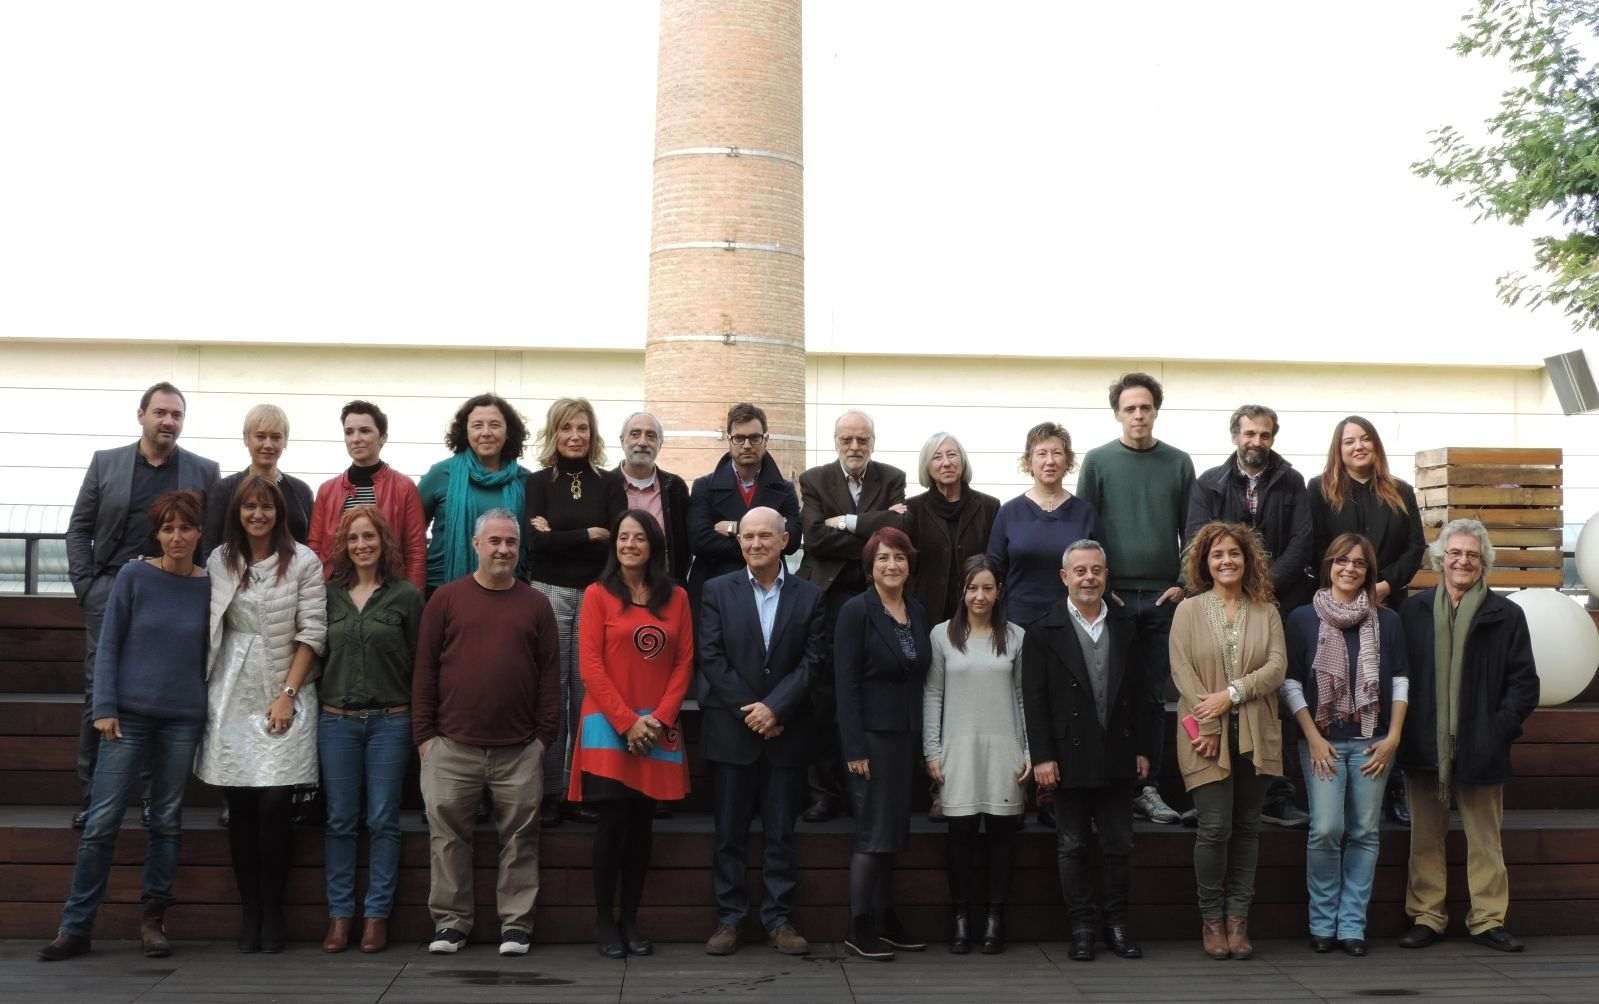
[{"x": 577, "y": 488}]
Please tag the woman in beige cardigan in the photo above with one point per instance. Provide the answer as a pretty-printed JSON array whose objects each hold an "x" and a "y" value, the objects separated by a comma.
[{"x": 1227, "y": 660}]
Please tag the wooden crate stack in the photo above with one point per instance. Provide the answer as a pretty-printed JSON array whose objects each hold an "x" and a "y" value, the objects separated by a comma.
[{"x": 1515, "y": 493}]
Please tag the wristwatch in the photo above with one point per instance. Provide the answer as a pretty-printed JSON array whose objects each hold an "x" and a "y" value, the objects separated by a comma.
[
  {"x": 1234, "y": 694},
  {"x": 291, "y": 691}
]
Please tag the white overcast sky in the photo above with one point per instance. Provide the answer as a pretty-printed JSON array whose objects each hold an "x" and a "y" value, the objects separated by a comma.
[{"x": 1156, "y": 179}]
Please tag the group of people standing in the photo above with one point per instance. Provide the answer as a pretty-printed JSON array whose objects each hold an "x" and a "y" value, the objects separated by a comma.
[{"x": 534, "y": 633}]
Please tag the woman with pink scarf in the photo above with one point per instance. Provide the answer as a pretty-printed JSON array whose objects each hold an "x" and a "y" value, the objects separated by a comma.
[{"x": 1347, "y": 688}]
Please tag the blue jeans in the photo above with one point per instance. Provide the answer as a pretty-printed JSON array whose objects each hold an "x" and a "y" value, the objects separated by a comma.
[
  {"x": 163, "y": 748},
  {"x": 1341, "y": 857},
  {"x": 369, "y": 754}
]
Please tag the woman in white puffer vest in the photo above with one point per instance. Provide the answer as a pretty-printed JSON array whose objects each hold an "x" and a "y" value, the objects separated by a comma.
[{"x": 268, "y": 626}]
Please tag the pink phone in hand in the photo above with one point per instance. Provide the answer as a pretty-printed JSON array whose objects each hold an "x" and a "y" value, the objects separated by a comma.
[{"x": 1191, "y": 726}]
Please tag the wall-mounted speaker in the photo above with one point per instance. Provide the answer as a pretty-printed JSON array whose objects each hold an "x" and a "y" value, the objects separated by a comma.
[{"x": 1573, "y": 382}]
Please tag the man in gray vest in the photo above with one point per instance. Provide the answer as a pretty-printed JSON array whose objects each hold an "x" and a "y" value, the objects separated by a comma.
[
  {"x": 110, "y": 525},
  {"x": 1089, "y": 735}
]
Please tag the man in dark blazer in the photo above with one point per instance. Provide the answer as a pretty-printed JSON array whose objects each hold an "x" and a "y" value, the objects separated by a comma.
[
  {"x": 760, "y": 634},
  {"x": 1255, "y": 486},
  {"x": 844, "y": 504},
  {"x": 110, "y": 525},
  {"x": 1090, "y": 736},
  {"x": 744, "y": 479},
  {"x": 660, "y": 493}
]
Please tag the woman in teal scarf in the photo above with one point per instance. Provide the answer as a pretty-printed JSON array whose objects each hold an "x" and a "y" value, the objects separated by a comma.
[{"x": 487, "y": 436}]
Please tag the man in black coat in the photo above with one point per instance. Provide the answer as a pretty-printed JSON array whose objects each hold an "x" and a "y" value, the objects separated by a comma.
[
  {"x": 845, "y": 502},
  {"x": 1258, "y": 488},
  {"x": 660, "y": 493},
  {"x": 1089, "y": 736},
  {"x": 761, "y": 635},
  {"x": 1473, "y": 683},
  {"x": 744, "y": 479}
]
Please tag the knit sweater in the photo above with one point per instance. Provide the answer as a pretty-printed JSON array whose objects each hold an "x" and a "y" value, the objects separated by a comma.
[
  {"x": 151, "y": 659},
  {"x": 1142, "y": 500},
  {"x": 565, "y": 556}
]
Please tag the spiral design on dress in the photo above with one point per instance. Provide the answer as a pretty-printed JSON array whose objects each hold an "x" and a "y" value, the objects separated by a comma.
[{"x": 650, "y": 640}]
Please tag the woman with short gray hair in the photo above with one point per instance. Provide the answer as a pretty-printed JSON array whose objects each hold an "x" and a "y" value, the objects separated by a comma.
[
  {"x": 266, "y": 436},
  {"x": 948, "y": 524}
]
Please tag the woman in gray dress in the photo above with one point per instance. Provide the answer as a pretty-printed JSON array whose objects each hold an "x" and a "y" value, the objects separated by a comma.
[
  {"x": 268, "y": 625},
  {"x": 975, "y": 744}
]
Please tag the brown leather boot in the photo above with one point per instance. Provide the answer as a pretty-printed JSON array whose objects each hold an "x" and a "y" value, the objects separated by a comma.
[
  {"x": 1215, "y": 939},
  {"x": 153, "y": 936},
  {"x": 1238, "y": 938},
  {"x": 374, "y": 934},
  {"x": 338, "y": 937}
]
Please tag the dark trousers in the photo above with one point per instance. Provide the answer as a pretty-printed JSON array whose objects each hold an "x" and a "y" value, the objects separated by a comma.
[
  {"x": 778, "y": 795},
  {"x": 94, "y": 602},
  {"x": 827, "y": 776},
  {"x": 1151, "y": 652},
  {"x": 1079, "y": 812}
]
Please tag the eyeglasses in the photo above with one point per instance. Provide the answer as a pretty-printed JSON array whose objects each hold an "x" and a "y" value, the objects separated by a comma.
[
  {"x": 1358, "y": 564},
  {"x": 1467, "y": 556},
  {"x": 752, "y": 440}
]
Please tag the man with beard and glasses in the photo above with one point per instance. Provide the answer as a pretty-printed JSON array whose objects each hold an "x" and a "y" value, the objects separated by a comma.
[
  {"x": 1258, "y": 488},
  {"x": 660, "y": 493}
]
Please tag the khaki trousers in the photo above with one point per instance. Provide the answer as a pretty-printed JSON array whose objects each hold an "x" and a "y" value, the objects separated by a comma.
[
  {"x": 1482, "y": 811},
  {"x": 453, "y": 777}
]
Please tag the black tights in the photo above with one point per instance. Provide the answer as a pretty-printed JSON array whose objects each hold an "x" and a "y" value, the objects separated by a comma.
[
  {"x": 621, "y": 851},
  {"x": 961, "y": 859},
  {"x": 259, "y": 833},
  {"x": 871, "y": 880}
]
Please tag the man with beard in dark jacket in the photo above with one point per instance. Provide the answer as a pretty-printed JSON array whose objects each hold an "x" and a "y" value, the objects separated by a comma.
[
  {"x": 660, "y": 493},
  {"x": 1258, "y": 488}
]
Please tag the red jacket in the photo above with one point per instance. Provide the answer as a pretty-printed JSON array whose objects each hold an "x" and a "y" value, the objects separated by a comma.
[{"x": 399, "y": 503}]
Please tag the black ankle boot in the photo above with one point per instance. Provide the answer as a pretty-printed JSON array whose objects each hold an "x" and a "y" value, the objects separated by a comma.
[
  {"x": 960, "y": 936},
  {"x": 994, "y": 931},
  {"x": 863, "y": 940}
]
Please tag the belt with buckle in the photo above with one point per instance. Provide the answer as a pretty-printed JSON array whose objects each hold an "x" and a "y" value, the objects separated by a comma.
[{"x": 365, "y": 712}]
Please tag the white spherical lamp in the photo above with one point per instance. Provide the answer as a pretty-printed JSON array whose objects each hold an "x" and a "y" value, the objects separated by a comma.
[
  {"x": 1565, "y": 643},
  {"x": 1588, "y": 554}
]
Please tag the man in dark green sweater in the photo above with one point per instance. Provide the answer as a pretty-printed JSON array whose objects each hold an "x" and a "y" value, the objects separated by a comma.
[{"x": 1140, "y": 489}]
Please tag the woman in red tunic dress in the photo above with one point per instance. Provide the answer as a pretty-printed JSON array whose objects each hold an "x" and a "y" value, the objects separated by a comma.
[{"x": 636, "y": 656}]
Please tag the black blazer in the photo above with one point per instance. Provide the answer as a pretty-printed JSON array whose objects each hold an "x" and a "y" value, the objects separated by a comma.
[
  {"x": 1058, "y": 701},
  {"x": 826, "y": 493},
  {"x": 716, "y": 498},
  {"x": 1396, "y": 535},
  {"x": 737, "y": 668},
  {"x": 878, "y": 689},
  {"x": 1282, "y": 520},
  {"x": 1498, "y": 689}
]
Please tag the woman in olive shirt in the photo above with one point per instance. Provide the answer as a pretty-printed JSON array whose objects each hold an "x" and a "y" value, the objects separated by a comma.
[{"x": 364, "y": 734}]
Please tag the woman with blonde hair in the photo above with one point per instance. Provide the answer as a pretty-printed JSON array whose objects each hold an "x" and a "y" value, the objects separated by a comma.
[
  {"x": 266, "y": 436},
  {"x": 1227, "y": 660},
  {"x": 572, "y": 503}
]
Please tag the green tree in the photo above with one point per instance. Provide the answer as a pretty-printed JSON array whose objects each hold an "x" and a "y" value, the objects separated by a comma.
[{"x": 1542, "y": 155}]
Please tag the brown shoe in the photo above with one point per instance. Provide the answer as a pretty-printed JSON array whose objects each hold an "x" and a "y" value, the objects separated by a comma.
[
  {"x": 153, "y": 936},
  {"x": 374, "y": 934},
  {"x": 724, "y": 941},
  {"x": 1215, "y": 939},
  {"x": 338, "y": 937},
  {"x": 1238, "y": 938},
  {"x": 789, "y": 941},
  {"x": 64, "y": 947}
]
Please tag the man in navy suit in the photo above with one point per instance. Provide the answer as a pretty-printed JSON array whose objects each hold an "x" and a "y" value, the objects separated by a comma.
[
  {"x": 110, "y": 525},
  {"x": 761, "y": 641}
]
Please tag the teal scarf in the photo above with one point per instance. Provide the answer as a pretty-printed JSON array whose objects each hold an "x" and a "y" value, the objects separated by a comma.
[{"x": 467, "y": 472}]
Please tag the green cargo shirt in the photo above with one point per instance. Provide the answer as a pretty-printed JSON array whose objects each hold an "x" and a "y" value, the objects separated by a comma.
[{"x": 371, "y": 651}]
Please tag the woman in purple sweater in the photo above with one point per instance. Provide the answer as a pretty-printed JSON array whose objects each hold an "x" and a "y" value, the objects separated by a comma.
[{"x": 149, "y": 707}]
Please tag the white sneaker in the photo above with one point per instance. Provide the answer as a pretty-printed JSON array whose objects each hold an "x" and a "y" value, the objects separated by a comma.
[
  {"x": 447, "y": 941},
  {"x": 514, "y": 942},
  {"x": 1148, "y": 804}
]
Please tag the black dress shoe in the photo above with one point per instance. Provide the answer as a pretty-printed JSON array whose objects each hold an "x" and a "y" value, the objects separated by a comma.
[
  {"x": 821, "y": 811},
  {"x": 636, "y": 943},
  {"x": 1321, "y": 945},
  {"x": 1419, "y": 936},
  {"x": 1499, "y": 938},
  {"x": 1120, "y": 943},
  {"x": 1082, "y": 949},
  {"x": 80, "y": 819},
  {"x": 1354, "y": 946},
  {"x": 608, "y": 941},
  {"x": 960, "y": 936}
]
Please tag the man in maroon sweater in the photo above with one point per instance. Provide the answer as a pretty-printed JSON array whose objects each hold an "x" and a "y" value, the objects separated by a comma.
[{"x": 485, "y": 703}]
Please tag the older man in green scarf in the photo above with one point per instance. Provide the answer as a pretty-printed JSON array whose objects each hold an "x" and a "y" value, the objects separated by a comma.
[{"x": 1472, "y": 685}]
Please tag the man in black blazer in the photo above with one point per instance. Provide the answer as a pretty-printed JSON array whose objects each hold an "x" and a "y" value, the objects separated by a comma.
[
  {"x": 110, "y": 525},
  {"x": 845, "y": 502},
  {"x": 1089, "y": 734},
  {"x": 660, "y": 493},
  {"x": 743, "y": 479},
  {"x": 760, "y": 636}
]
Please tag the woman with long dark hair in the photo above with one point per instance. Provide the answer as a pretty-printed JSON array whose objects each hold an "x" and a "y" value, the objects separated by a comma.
[
  {"x": 268, "y": 625},
  {"x": 636, "y": 654},
  {"x": 486, "y": 438},
  {"x": 364, "y": 733},
  {"x": 1228, "y": 661},
  {"x": 975, "y": 743}
]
